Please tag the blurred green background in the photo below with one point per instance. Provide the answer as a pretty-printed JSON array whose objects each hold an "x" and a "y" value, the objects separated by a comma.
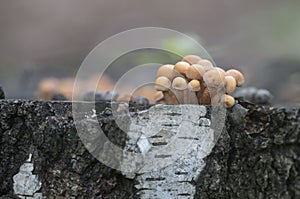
[{"x": 51, "y": 38}]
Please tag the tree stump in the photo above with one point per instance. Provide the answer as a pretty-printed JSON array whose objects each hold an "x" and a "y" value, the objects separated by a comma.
[{"x": 257, "y": 155}]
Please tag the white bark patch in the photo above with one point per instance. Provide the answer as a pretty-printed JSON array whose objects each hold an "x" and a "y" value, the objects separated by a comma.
[
  {"x": 143, "y": 144},
  {"x": 173, "y": 140},
  {"x": 26, "y": 184}
]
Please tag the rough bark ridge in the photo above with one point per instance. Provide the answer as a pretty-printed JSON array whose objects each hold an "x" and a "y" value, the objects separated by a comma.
[{"x": 257, "y": 155}]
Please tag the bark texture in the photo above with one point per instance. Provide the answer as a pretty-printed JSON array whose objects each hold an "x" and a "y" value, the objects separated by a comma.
[{"x": 256, "y": 156}]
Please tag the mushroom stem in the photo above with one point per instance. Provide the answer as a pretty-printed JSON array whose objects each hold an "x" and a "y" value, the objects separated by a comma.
[
  {"x": 170, "y": 97},
  {"x": 179, "y": 87},
  {"x": 203, "y": 96},
  {"x": 159, "y": 97}
]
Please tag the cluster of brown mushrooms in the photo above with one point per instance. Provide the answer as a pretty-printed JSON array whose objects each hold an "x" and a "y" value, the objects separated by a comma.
[{"x": 196, "y": 81}]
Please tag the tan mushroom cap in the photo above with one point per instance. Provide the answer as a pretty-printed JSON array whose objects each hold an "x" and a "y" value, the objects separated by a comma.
[
  {"x": 205, "y": 62},
  {"x": 207, "y": 65},
  {"x": 230, "y": 84},
  {"x": 191, "y": 59},
  {"x": 158, "y": 96},
  {"x": 162, "y": 84},
  {"x": 179, "y": 83},
  {"x": 195, "y": 71},
  {"x": 238, "y": 76},
  {"x": 181, "y": 67},
  {"x": 207, "y": 68},
  {"x": 228, "y": 101},
  {"x": 194, "y": 85},
  {"x": 166, "y": 70},
  {"x": 213, "y": 78},
  {"x": 221, "y": 70}
]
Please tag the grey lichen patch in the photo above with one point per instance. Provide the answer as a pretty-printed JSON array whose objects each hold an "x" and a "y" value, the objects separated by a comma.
[
  {"x": 173, "y": 141},
  {"x": 26, "y": 184}
]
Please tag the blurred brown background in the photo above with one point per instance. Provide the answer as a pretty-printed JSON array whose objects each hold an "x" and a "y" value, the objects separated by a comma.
[{"x": 51, "y": 38}]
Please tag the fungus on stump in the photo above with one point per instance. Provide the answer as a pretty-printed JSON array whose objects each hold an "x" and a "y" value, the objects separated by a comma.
[{"x": 215, "y": 84}]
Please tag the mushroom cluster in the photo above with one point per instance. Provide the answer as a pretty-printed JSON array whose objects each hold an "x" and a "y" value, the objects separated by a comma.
[{"x": 196, "y": 81}]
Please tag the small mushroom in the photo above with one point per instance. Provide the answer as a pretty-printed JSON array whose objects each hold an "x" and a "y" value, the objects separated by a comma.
[
  {"x": 191, "y": 59},
  {"x": 228, "y": 101},
  {"x": 181, "y": 67},
  {"x": 214, "y": 79},
  {"x": 195, "y": 71},
  {"x": 179, "y": 85},
  {"x": 193, "y": 87},
  {"x": 220, "y": 70},
  {"x": 166, "y": 71},
  {"x": 164, "y": 84},
  {"x": 230, "y": 84},
  {"x": 238, "y": 76},
  {"x": 206, "y": 64}
]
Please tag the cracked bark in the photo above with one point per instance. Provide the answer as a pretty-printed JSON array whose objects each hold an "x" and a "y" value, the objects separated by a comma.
[{"x": 256, "y": 156}]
